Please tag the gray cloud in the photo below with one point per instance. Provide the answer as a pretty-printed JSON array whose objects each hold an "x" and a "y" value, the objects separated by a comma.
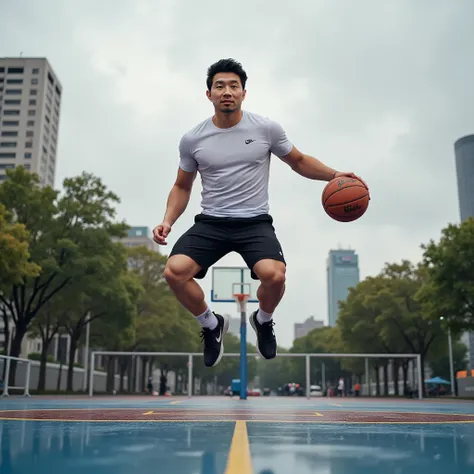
[{"x": 380, "y": 89}]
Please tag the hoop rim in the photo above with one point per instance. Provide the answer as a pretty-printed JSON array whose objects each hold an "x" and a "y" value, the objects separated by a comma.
[{"x": 241, "y": 296}]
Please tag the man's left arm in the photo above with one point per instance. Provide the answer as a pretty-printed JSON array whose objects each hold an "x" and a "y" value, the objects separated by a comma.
[
  {"x": 304, "y": 165},
  {"x": 312, "y": 168},
  {"x": 308, "y": 166}
]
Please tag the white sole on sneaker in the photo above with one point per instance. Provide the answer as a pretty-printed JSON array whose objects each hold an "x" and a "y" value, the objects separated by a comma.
[{"x": 225, "y": 328}]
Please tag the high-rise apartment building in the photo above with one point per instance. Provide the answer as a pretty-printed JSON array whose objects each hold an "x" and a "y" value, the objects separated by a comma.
[
  {"x": 464, "y": 156},
  {"x": 30, "y": 104},
  {"x": 342, "y": 273}
]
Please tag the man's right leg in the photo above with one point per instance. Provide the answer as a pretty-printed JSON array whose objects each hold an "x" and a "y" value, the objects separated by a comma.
[
  {"x": 179, "y": 274},
  {"x": 194, "y": 252}
]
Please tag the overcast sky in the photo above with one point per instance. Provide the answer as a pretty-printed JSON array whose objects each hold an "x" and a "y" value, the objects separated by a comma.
[{"x": 379, "y": 88}]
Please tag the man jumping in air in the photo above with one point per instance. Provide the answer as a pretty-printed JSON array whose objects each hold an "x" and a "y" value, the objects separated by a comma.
[{"x": 231, "y": 151}]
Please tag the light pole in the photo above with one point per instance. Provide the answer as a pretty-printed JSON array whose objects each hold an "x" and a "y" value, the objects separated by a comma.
[{"x": 451, "y": 362}]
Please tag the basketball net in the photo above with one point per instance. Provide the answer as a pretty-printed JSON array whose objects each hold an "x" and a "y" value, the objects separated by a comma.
[{"x": 241, "y": 300}]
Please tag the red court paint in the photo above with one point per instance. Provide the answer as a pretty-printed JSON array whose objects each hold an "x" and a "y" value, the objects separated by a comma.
[{"x": 160, "y": 414}]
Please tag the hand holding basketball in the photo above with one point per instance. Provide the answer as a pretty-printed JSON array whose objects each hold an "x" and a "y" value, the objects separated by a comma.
[
  {"x": 160, "y": 232},
  {"x": 340, "y": 174},
  {"x": 346, "y": 197}
]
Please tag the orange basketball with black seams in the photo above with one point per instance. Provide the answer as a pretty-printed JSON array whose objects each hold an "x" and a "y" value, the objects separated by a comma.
[{"x": 345, "y": 199}]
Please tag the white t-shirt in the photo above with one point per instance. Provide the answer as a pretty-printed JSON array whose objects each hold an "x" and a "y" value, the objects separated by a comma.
[{"x": 234, "y": 163}]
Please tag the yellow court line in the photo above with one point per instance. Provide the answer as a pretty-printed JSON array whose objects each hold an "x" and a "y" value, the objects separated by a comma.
[
  {"x": 175, "y": 403},
  {"x": 148, "y": 413},
  {"x": 318, "y": 414},
  {"x": 239, "y": 460}
]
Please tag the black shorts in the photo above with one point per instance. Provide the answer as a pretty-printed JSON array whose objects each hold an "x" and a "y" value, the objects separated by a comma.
[{"x": 211, "y": 238}]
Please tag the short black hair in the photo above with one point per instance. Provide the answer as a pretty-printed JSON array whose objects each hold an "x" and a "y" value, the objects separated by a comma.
[{"x": 226, "y": 65}]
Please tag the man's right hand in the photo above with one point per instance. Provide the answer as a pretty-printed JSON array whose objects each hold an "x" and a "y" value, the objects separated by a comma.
[{"x": 160, "y": 232}]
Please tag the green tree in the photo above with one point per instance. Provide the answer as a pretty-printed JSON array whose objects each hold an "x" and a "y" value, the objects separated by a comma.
[
  {"x": 359, "y": 329},
  {"x": 403, "y": 314},
  {"x": 113, "y": 334},
  {"x": 162, "y": 324},
  {"x": 318, "y": 341},
  {"x": 58, "y": 227},
  {"x": 275, "y": 372},
  {"x": 449, "y": 290},
  {"x": 45, "y": 327},
  {"x": 382, "y": 315},
  {"x": 114, "y": 297},
  {"x": 439, "y": 364},
  {"x": 15, "y": 264}
]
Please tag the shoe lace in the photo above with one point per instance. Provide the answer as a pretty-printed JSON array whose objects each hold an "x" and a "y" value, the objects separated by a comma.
[
  {"x": 205, "y": 335},
  {"x": 267, "y": 328}
]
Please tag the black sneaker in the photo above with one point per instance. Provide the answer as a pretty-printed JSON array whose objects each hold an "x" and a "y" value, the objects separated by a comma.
[
  {"x": 266, "y": 341},
  {"x": 214, "y": 341}
]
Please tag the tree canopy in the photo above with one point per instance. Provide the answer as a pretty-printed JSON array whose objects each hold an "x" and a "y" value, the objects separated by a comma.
[{"x": 449, "y": 289}]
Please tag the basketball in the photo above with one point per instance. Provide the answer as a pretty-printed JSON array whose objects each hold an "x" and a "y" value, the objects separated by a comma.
[{"x": 345, "y": 199}]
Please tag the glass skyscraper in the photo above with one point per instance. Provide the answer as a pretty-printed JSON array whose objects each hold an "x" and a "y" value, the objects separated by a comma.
[
  {"x": 342, "y": 273},
  {"x": 464, "y": 156}
]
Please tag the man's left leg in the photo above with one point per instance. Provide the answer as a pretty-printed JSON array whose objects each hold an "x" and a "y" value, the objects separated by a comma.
[
  {"x": 271, "y": 274},
  {"x": 258, "y": 244}
]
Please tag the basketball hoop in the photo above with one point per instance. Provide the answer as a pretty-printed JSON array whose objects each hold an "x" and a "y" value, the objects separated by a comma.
[
  {"x": 241, "y": 293},
  {"x": 241, "y": 300}
]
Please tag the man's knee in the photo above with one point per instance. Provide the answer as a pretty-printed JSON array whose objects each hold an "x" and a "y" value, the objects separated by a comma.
[
  {"x": 271, "y": 273},
  {"x": 179, "y": 269}
]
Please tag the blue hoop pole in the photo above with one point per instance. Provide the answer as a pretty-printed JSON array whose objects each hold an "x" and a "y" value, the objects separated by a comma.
[
  {"x": 243, "y": 355},
  {"x": 243, "y": 343}
]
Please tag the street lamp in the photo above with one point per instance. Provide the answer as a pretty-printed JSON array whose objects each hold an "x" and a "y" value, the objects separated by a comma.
[{"x": 451, "y": 363}]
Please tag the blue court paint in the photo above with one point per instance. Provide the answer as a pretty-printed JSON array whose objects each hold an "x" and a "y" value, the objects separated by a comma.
[
  {"x": 361, "y": 449},
  {"x": 113, "y": 448}
]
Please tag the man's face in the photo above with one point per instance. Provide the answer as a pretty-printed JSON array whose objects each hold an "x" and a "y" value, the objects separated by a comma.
[{"x": 226, "y": 92}]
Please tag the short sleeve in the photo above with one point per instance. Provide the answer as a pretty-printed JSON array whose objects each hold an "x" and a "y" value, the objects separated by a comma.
[
  {"x": 186, "y": 160},
  {"x": 280, "y": 145}
]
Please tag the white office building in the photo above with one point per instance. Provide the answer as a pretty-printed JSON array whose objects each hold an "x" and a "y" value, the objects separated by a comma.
[
  {"x": 302, "y": 329},
  {"x": 140, "y": 236},
  {"x": 30, "y": 104}
]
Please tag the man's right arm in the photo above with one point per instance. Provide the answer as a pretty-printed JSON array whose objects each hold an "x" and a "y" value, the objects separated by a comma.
[{"x": 179, "y": 196}]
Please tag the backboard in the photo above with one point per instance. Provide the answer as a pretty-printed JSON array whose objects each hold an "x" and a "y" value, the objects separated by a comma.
[{"x": 223, "y": 284}]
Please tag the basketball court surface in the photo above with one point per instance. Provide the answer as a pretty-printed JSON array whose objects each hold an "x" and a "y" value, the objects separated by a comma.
[{"x": 223, "y": 435}]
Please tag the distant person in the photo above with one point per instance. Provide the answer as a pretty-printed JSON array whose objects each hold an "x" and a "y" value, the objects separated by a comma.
[
  {"x": 409, "y": 392},
  {"x": 340, "y": 387},
  {"x": 162, "y": 391},
  {"x": 231, "y": 151}
]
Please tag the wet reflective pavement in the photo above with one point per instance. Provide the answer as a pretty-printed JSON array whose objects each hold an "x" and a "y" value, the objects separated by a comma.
[
  {"x": 342, "y": 449},
  {"x": 114, "y": 448},
  {"x": 202, "y": 436}
]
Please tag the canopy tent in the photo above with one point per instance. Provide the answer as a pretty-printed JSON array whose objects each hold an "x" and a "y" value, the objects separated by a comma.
[{"x": 438, "y": 380}]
